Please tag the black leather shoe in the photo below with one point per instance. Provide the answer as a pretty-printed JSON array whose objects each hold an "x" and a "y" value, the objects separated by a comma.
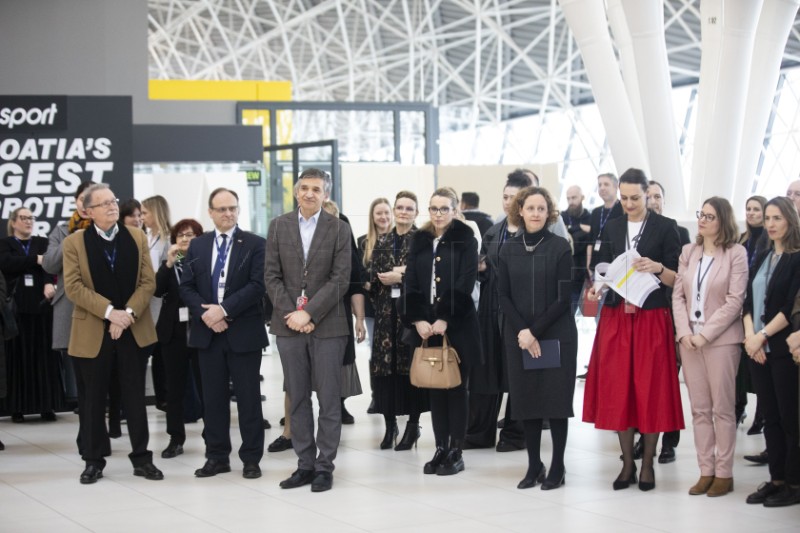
[
  {"x": 267, "y": 425},
  {"x": 620, "y": 484},
  {"x": 787, "y": 496},
  {"x": 148, "y": 471},
  {"x": 251, "y": 471},
  {"x": 280, "y": 444},
  {"x": 283, "y": 421},
  {"x": 756, "y": 428},
  {"x": 764, "y": 491},
  {"x": 531, "y": 481},
  {"x": 173, "y": 450},
  {"x": 550, "y": 484},
  {"x": 91, "y": 474},
  {"x": 452, "y": 464},
  {"x": 212, "y": 468},
  {"x": 298, "y": 479},
  {"x": 347, "y": 418},
  {"x": 759, "y": 459},
  {"x": 507, "y": 446},
  {"x": 667, "y": 455},
  {"x": 322, "y": 481},
  {"x": 438, "y": 456}
]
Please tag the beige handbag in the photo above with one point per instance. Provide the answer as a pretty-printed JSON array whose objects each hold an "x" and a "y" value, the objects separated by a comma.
[{"x": 435, "y": 367}]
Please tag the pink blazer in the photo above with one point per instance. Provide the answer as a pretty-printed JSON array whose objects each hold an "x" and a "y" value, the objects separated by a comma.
[{"x": 726, "y": 282}]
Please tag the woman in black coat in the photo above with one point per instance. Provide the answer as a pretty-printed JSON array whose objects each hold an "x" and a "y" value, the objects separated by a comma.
[
  {"x": 534, "y": 280},
  {"x": 771, "y": 290},
  {"x": 441, "y": 270},
  {"x": 34, "y": 369},
  {"x": 180, "y": 361}
]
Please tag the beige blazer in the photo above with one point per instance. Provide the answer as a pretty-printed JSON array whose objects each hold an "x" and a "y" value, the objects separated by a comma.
[
  {"x": 727, "y": 284},
  {"x": 88, "y": 317}
]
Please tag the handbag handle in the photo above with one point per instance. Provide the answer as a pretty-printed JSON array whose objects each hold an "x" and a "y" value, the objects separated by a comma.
[{"x": 445, "y": 346}]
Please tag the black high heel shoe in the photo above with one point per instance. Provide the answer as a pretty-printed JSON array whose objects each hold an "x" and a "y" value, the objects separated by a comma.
[
  {"x": 550, "y": 484},
  {"x": 410, "y": 436},
  {"x": 620, "y": 484},
  {"x": 530, "y": 482},
  {"x": 644, "y": 486},
  {"x": 390, "y": 438}
]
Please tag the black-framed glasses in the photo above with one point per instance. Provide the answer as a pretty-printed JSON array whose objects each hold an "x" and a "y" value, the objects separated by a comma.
[
  {"x": 708, "y": 216},
  {"x": 106, "y": 204},
  {"x": 439, "y": 210}
]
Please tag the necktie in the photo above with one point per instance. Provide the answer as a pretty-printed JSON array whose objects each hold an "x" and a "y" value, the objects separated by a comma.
[{"x": 222, "y": 252}]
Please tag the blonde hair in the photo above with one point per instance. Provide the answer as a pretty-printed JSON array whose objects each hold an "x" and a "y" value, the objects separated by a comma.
[
  {"x": 444, "y": 192},
  {"x": 372, "y": 229},
  {"x": 13, "y": 218},
  {"x": 331, "y": 207},
  {"x": 160, "y": 208}
]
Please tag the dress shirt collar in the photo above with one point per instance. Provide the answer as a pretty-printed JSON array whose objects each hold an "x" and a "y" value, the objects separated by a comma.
[
  {"x": 108, "y": 235},
  {"x": 314, "y": 218}
]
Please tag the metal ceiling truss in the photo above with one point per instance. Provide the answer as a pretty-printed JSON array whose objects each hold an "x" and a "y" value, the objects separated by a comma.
[{"x": 480, "y": 61}]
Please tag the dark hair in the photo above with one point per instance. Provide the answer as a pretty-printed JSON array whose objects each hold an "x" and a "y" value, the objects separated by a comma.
[
  {"x": 609, "y": 175},
  {"x": 217, "y": 191},
  {"x": 791, "y": 243},
  {"x": 634, "y": 176},
  {"x": 519, "y": 178},
  {"x": 515, "y": 209},
  {"x": 127, "y": 208},
  {"x": 657, "y": 184},
  {"x": 315, "y": 173},
  {"x": 180, "y": 225},
  {"x": 82, "y": 187},
  {"x": 470, "y": 199},
  {"x": 407, "y": 194},
  {"x": 728, "y": 230}
]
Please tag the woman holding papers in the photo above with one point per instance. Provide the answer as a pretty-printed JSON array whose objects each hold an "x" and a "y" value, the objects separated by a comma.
[
  {"x": 771, "y": 291},
  {"x": 707, "y": 305},
  {"x": 633, "y": 374},
  {"x": 541, "y": 341}
]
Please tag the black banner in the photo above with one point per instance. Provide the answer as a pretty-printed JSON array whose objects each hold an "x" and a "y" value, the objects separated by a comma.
[{"x": 50, "y": 144}]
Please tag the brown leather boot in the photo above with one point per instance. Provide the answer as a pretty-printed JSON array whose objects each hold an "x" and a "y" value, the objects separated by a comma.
[
  {"x": 702, "y": 485},
  {"x": 720, "y": 487}
]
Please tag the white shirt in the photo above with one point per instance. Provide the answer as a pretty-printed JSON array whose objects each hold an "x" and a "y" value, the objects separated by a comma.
[
  {"x": 633, "y": 231},
  {"x": 307, "y": 228},
  {"x": 215, "y": 253}
]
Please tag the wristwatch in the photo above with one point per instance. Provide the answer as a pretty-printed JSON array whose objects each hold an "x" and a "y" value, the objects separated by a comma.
[{"x": 764, "y": 332}]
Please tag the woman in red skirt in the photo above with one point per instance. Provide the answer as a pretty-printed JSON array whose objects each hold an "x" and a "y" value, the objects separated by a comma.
[{"x": 633, "y": 374}]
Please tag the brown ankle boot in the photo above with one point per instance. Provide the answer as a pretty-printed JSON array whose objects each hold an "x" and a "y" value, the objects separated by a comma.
[
  {"x": 720, "y": 487},
  {"x": 702, "y": 485}
]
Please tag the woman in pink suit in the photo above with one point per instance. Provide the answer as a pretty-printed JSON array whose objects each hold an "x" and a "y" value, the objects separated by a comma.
[{"x": 707, "y": 305}]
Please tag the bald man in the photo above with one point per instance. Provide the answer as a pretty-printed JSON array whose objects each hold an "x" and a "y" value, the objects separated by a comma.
[
  {"x": 578, "y": 222},
  {"x": 793, "y": 193}
]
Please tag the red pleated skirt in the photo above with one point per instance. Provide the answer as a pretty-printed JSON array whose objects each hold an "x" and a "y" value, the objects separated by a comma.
[{"x": 633, "y": 374}]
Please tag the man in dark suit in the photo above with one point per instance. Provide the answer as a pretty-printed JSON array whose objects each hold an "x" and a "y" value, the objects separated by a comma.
[
  {"x": 307, "y": 272},
  {"x": 470, "y": 201},
  {"x": 109, "y": 278},
  {"x": 607, "y": 188},
  {"x": 223, "y": 286},
  {"x": 578, "y": 221}
]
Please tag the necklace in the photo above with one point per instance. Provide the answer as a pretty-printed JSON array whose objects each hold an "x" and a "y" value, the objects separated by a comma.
[{"x": 531, "y": 248}]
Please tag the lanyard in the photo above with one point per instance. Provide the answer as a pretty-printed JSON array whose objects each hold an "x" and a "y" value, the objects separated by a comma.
[
  {"x": 636, "y": 239},
  {"x": 702, "y": 278},
  {"x": 222, "y": 254},
  {"x": 158, "y": 238},
  {"x": 111, "y": 257},
  {"x": 25, "y": 247},
  {"x": 604, "y": 219}
]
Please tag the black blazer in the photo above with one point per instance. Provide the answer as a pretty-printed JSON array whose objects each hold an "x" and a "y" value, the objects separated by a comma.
[
  {"x": 456, "y": 268},
  {"x": 659, "y": 242},
  {"x": 15, "y": 265},
  {"x": 244, "y": 291},
  {"x": 168, "y": 289},
  {"x": 781, "y": 292}
]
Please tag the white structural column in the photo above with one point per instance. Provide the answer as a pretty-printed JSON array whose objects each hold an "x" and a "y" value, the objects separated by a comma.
[
  {"x": 722, "y": 98},
  {"x": 774, "y": 26},
  {"x": 587, "y": 20},
  {"x": 645, "y": 20}
]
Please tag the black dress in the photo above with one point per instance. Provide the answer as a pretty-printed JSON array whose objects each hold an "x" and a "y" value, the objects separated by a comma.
[
  {"x": 534, "y": 293},
  {"x": 33, "y": 369}
]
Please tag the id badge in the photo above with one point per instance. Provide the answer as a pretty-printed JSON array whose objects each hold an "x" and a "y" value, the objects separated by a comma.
[
  {"x": 220, "y": 291},
  {"x": 29, "y": 280},
  {"x": 395, "y": 291},
  {"x": 597, "y": 245},
  {"x": 302, "y": 300},
  {"x": 183, "y": 314}
]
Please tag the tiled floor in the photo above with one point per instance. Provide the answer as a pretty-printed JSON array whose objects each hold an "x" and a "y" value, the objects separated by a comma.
[{"x": 374, "y": 490}]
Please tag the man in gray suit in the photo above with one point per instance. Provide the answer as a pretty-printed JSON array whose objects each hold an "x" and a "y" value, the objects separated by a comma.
[{"x": 307, "y": 271}]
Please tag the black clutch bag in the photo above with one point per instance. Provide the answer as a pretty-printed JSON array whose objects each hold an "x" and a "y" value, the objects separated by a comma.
[{"x": 550, "y": 358}]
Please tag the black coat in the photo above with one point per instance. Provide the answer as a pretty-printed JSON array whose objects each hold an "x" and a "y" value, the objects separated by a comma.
[
  {"x": 534, "y": 292},
  {"x": 456, "y": 271},
  {"x": 15, "y": 265},
  {"x": 167, "y": 288},
  {"x": 781, "y": 293},
  {"x": 580, "y": 239},
  {"x": 659, "y": 242}
]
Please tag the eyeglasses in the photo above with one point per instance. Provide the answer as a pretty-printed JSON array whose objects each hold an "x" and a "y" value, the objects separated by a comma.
[
  {"x": 187, "y": 235},
  {"x": 707, "y": 216},
  {"x": 439, "y": 210},
  {"x": 222, "y": 210},
  {"x": 106, "y": 204},
  {"x": 26, "y": 219}
]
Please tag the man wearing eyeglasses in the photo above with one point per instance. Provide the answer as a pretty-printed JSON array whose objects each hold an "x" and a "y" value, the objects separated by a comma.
[
  {"x": 109, "y": 278},
  {"x": 223, "y": 286},
  {"x": 793, "y": 193},
  {"x": 307, "y": 273}
]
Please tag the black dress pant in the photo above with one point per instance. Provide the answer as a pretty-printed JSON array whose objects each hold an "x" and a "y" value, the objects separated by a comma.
[
  {"x": 180, "y": 365},
  {"x": 776, "y": 384},
  {"x": 93, "y": 384},
  {"x": 484, "y": 410},
  {"x": 449, "y": 411}
]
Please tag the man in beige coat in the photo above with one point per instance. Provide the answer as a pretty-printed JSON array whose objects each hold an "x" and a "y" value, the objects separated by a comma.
[{"x": 109, "y": 279}]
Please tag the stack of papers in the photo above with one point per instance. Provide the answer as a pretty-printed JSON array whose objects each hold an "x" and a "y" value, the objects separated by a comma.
[{"x": 622, "y": 278}]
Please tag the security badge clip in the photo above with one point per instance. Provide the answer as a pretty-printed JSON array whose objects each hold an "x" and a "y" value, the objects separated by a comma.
[{"x": 302, "y": 300}]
